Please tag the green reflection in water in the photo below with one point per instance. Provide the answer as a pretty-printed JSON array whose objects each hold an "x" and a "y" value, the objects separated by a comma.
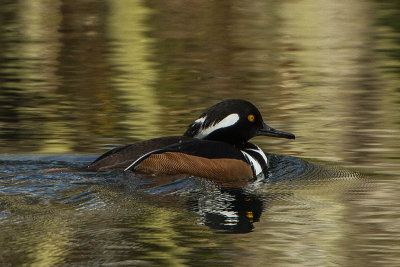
[
  {"x": 319, "y": 213},
  {"x": 28, "y": 58},
  {"x": 114, "y": 229},
  {"x": 130, "y": 55},
  {"x": 320, "y": 38}
]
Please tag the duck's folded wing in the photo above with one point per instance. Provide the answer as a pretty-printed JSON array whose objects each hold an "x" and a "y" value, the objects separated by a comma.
[
  {"x": 202, "y": 158},
  {"x": 121, "y": 157}
]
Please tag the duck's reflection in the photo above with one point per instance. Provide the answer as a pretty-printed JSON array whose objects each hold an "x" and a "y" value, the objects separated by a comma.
[
  {"x": 234, "y": 207},
  {"x": 229, "y": 210}
]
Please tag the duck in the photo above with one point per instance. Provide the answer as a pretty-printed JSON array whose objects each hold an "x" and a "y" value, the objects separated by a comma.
[{"x": 215, "y": 146}]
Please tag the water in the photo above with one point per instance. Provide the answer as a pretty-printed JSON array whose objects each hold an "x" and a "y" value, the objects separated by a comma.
[{"x": 77, "y": 79}]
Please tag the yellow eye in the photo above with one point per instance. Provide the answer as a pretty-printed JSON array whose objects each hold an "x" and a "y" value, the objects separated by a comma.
[{"x": 251, "y": 118}]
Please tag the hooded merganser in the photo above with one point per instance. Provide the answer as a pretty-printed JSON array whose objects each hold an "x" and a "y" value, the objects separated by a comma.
[{"x": 214, "y": 146}]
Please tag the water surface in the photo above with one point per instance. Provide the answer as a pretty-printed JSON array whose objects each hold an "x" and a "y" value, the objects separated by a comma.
[{"x": 77, "y": 79}]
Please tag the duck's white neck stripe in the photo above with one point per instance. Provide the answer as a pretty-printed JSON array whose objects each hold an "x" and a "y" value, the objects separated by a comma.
[
  {"x": 226, "y": 122},
  {"x": 259, "y": 151},
  {"x": 253, "y": 162}
]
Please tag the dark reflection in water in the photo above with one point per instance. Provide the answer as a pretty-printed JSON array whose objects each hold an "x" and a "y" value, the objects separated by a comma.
[
  {"x": 232, "y": 210},
  {"x": 84, "y": 76}
]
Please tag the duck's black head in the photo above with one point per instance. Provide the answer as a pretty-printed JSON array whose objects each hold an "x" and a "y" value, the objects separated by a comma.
[{"x": 233, "y": 121}]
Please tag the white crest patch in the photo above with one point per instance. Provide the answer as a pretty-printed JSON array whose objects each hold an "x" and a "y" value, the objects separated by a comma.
[
  {"x": 200, "y": 120},
  {"x": 226, "y": 122}
]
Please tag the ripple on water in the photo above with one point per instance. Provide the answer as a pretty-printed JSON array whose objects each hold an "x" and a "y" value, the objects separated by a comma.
[{"x": 223, "y": 207}]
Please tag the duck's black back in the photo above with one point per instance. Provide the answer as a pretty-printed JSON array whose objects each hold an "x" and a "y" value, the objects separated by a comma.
[{"x": 120, "y": 158}]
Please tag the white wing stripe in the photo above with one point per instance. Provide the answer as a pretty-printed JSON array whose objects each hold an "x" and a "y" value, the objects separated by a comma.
[{"x": 140, "y": 159}]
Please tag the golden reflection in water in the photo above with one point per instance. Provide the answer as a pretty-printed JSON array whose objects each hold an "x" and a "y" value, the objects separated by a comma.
[
  {"x": 131, "y": 50},
  {"x": 130, "y": 232},
  {"x": 308, "y": 228},
  {"x": 52, "y": 244},
  {"x": 37, "y": 24},
  {"x": 328, "y": 108},
  {"x": 334, "y": 87},
  {"x": 162, "y": 233},
  {"x": 44, "y": 235}
]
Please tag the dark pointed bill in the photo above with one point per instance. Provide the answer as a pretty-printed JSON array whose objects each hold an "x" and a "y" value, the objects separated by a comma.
[{"x": 269, "y": 131}]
